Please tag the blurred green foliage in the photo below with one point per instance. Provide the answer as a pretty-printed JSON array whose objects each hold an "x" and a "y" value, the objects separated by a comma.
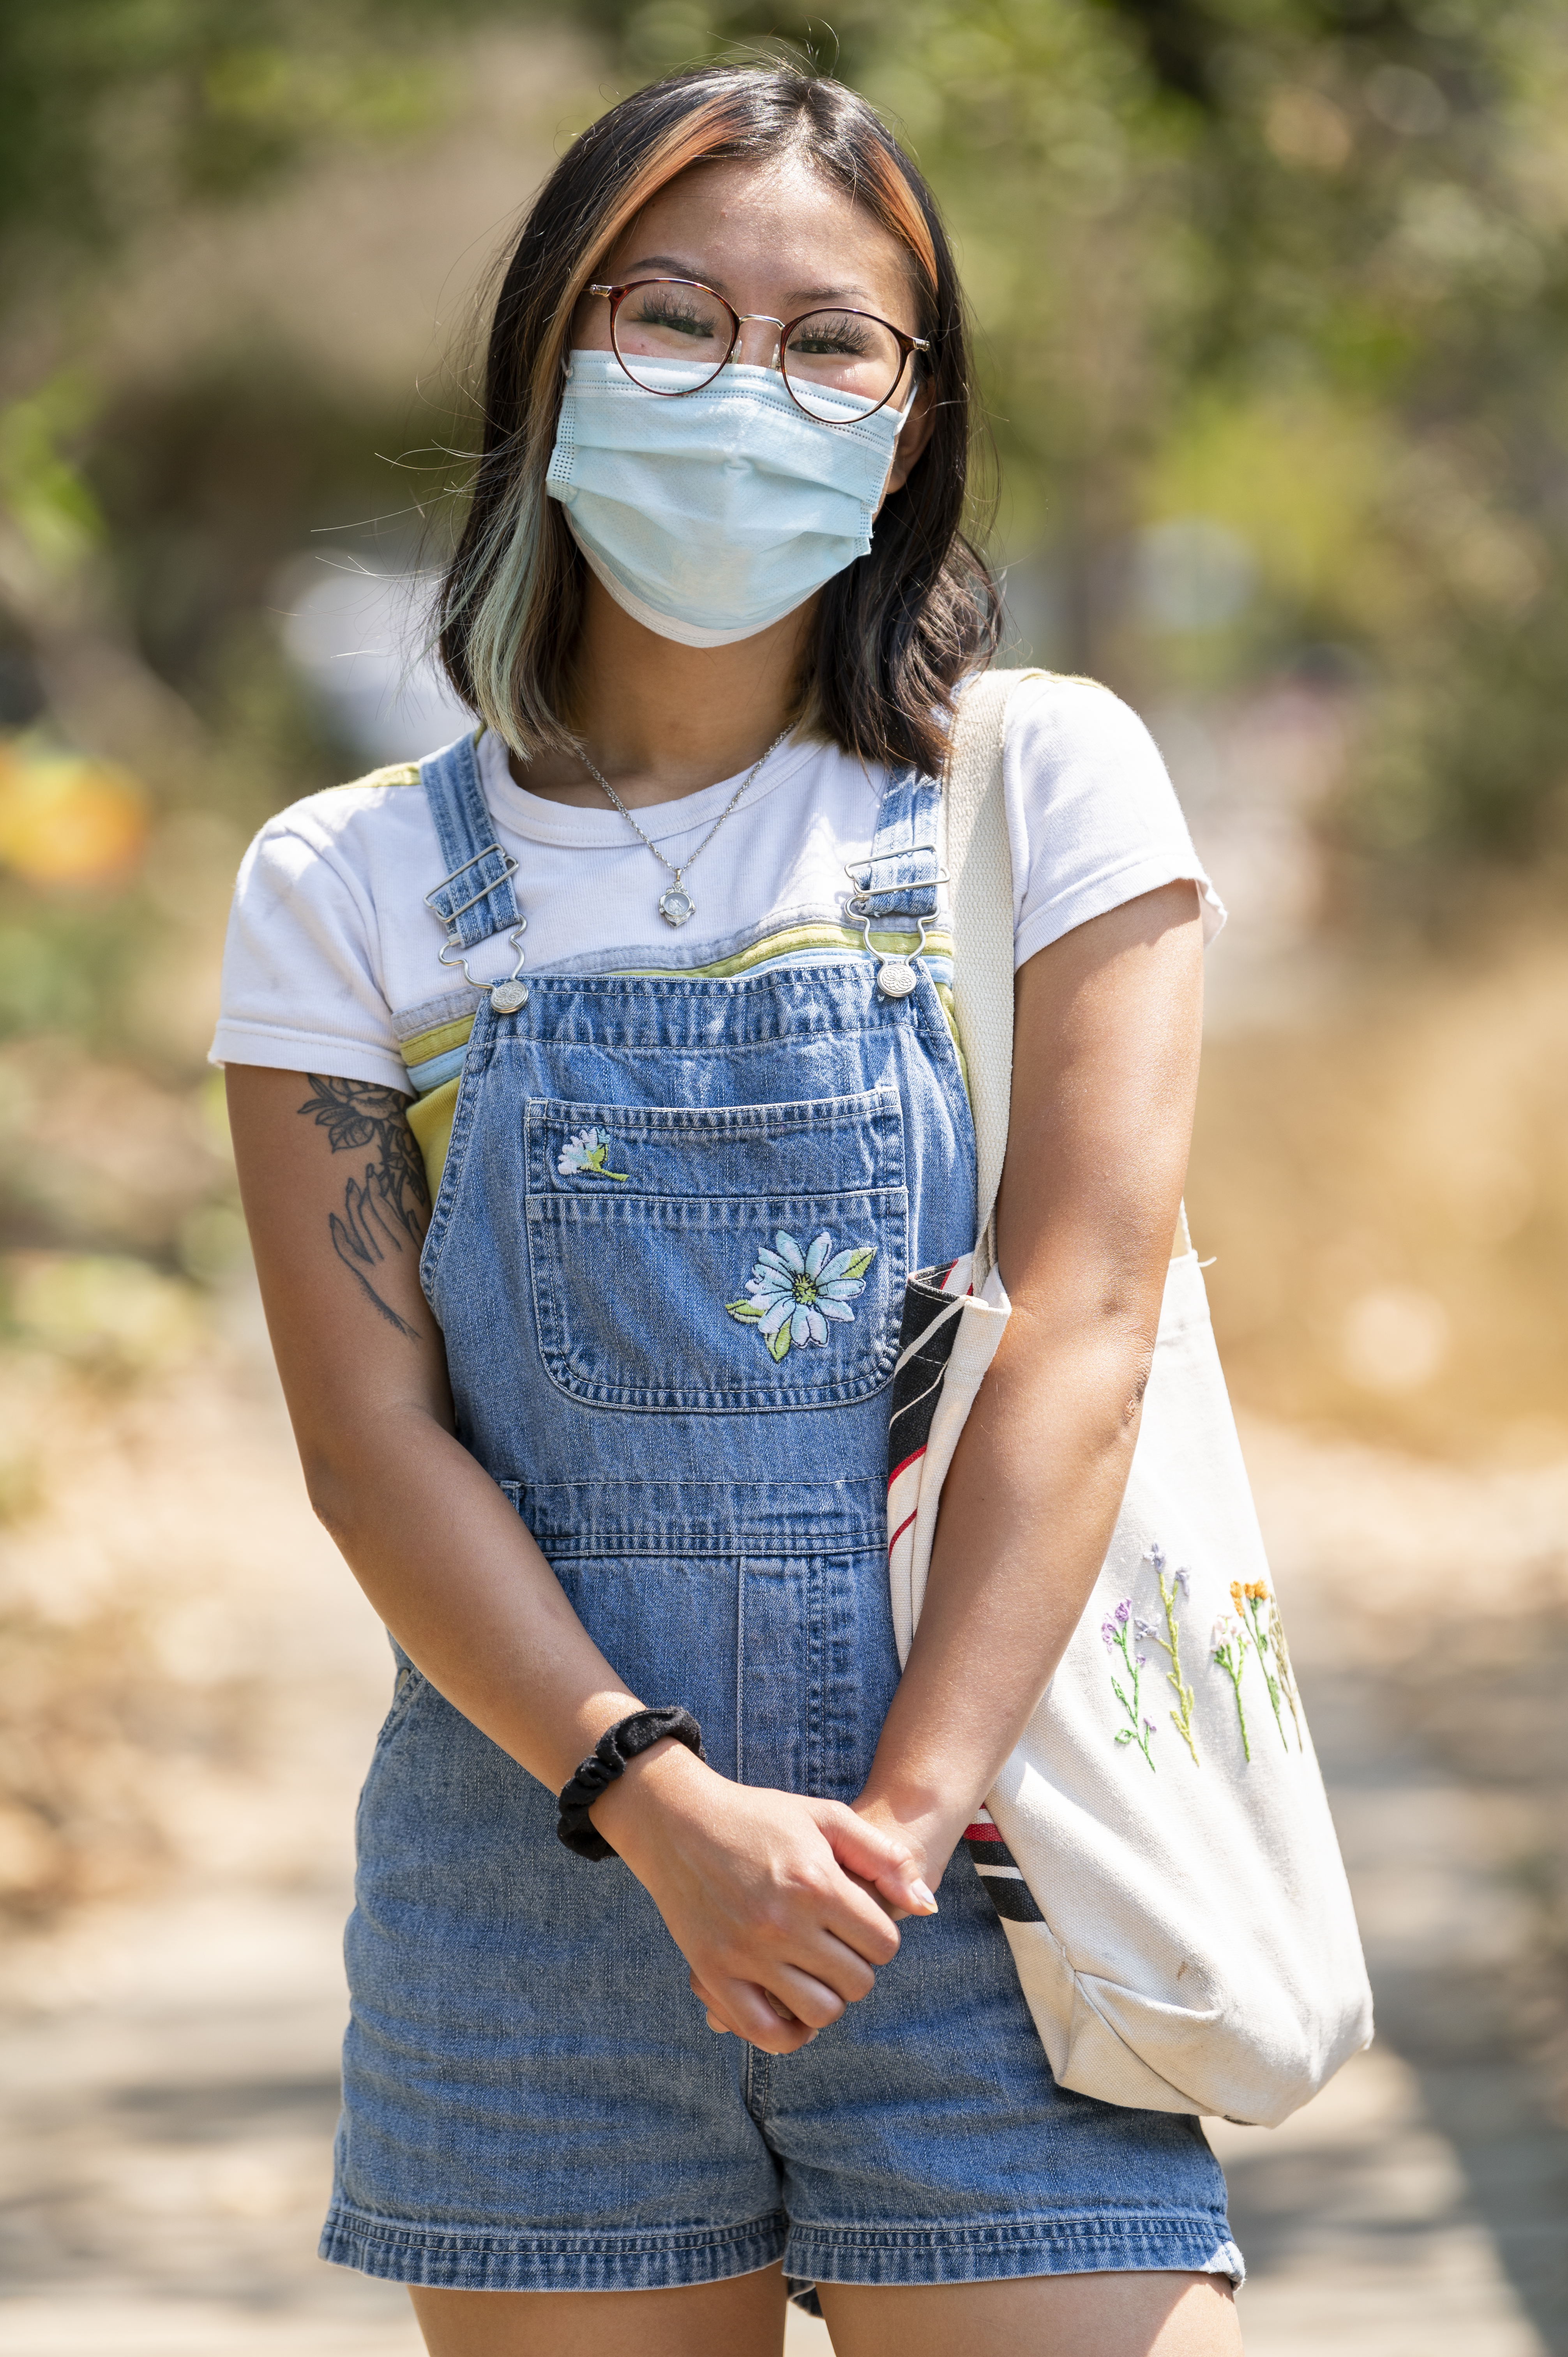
[
  {"x": 1295, "y": 269},
  {"x": 112, "y": 112},
  {"x": 1273, "y": 338}
]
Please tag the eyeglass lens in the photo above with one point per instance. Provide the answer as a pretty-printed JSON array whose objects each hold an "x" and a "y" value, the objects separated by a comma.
[{"x": 830, "y": 353}]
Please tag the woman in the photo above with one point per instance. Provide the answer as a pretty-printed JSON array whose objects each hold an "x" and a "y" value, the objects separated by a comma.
[{"x": 625, "y": 1451}]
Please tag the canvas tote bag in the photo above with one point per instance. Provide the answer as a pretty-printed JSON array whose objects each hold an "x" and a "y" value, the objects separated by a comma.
[{"x": 1159, "y": 1846}]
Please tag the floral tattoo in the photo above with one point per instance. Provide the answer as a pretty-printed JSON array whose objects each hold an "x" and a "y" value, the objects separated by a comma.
[{"x": 382, "y": 1213}]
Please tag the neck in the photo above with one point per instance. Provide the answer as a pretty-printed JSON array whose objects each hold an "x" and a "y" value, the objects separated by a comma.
[{"x": 663, "y": 720}]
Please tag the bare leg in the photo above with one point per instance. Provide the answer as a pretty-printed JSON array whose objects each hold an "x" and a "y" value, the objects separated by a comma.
[
  {"x": 1114, "y": 2315},
  {"x": 742, "y": 2318}
]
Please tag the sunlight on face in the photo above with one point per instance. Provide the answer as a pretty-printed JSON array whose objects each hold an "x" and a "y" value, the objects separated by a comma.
[{"x": 775, "y": 239}]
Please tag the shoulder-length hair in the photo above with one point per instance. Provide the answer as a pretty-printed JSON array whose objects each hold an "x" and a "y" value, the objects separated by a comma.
[{"x": 898, "y": 628}]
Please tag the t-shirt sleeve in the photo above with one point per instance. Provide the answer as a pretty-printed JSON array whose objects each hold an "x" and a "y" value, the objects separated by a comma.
[
  {"x": 300, "y": 991},
  {"x": 1092, "y": 817}
]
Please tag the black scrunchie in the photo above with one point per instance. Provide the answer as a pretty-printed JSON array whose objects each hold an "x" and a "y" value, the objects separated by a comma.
[{"x": 607, "y": 1759}]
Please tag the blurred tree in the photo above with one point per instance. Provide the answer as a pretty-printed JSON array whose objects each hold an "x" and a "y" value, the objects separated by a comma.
[
  {"x": 1295, "y": 272},
  {"x": 1273, "y": 306},
  {"x": 117, "y": 119},
  {"x": 145, "y": 508}
]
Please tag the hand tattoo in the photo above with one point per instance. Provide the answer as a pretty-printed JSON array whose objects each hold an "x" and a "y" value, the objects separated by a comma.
[{"x": 392, "y": 1194}]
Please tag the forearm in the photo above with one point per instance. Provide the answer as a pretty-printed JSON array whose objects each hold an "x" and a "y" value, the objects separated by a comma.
[
  {"x": 1104, "y": 1071},
  {"x": 1028, "y": 1508},
  {"x": 462, "y": 1585},
  {"x": 761, "y": 1891}
]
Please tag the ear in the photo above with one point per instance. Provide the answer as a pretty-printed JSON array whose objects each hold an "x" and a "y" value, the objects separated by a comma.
[{"x": 913, "y": 436}]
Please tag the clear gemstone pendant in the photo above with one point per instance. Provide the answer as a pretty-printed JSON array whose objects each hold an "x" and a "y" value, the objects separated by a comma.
[{"x": 677, "y": 905}]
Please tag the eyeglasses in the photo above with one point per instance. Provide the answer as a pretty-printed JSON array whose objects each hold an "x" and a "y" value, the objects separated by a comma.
[{"x": 822, "y": 355}]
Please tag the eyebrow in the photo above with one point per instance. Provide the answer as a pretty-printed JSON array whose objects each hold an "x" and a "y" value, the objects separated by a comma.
[{"x": 806, "y": 297}]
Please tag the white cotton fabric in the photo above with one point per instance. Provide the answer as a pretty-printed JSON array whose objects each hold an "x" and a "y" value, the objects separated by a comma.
[
  {"x": 329, "y": 939},
  {"x": 1196, "y": 1947}
]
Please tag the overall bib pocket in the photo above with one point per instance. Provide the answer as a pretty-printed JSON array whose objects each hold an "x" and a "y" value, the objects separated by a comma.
[{"x": 717, "y": 1258}]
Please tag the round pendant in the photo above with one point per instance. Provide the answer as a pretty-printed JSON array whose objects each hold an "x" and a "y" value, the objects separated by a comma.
[
  {"x": 677, "y": 905},
  {"x": 508, "y": 997},
  {"x": 896, "y": 977}
]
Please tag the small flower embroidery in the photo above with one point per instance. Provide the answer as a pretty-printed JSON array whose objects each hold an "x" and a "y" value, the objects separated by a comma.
[
  {"x": 1268, "y": 1637},
  {"x": 1170, "y": 1643},
  {"x": 795, "y": 1295},
  {"x": 1117, "y": 1640},
  {"x": 1230, "y": 1649},
  {"x": 583, "y": 1154}
]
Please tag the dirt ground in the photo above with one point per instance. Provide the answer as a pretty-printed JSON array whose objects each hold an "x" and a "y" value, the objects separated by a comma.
[{"x": 199, "y": 1686}]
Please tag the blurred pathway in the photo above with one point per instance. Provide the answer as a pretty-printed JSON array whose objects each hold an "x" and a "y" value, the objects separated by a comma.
[{"x": 169, "y": 2069}]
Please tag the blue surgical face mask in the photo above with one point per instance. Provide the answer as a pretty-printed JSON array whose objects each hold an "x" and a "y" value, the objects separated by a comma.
[{"x": 710, "y": 517}]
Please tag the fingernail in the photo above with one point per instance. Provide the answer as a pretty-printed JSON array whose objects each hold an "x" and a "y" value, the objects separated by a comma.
[{"x": 926, "y": 1898}]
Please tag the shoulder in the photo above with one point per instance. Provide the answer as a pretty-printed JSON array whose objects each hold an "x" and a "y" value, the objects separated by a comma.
[
  {"x": 351, "y": 828},
  {"x": 1092, "y": 817},
  {"x": 1057, "y": 716},
  {"x": 336, "y": 811},
  {"x": 1074, "y": 753}
]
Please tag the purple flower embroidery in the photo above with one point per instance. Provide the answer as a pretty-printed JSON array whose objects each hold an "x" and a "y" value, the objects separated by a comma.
[{"x": 1117, "y": 1637}]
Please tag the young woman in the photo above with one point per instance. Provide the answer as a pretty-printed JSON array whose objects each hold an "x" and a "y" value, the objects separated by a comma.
[{"x": 585, "y": 1276}]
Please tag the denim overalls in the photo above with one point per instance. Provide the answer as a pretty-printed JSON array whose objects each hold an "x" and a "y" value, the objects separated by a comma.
[{"x": 667, "y": 1255}]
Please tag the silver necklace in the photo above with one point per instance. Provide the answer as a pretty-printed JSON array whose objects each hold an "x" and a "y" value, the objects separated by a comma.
[{"x": 676, "y": 905}]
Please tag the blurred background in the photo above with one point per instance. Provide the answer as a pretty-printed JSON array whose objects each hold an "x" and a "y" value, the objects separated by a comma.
[{"x": 1273, "y": 310}]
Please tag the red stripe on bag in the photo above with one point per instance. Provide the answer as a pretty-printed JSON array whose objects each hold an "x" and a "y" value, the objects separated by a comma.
[
  {"x": 913, "y": 1459},
  {"x": 898, "y": 1533},
  {"x": 982, "y": 1832}
]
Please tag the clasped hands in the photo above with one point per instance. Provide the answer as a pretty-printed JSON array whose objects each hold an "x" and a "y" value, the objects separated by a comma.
[{"x": 784, "y": 1906}]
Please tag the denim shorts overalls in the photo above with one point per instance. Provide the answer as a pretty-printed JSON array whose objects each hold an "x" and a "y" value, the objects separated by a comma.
[{"x": 667, "y": 1254}]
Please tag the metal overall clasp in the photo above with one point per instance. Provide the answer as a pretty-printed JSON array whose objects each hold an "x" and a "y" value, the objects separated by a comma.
[
  {"x": 895, "y": 974},
  {"x": 511, "y": 994}
]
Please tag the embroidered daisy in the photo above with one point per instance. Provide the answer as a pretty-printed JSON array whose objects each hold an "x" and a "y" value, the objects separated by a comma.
[
  {"x": 795, "y": 1295},
  {"x": 584, "y": 1156}
]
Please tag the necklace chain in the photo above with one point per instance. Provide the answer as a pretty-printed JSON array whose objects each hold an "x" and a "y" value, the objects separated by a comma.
[{"x": 676, "y": 904}]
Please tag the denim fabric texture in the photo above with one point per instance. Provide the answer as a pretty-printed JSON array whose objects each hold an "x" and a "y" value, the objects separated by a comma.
[{"x": 532, "y": 2100}]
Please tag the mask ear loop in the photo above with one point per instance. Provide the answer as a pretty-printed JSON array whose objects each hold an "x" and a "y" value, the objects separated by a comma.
[{"x": 506, "y": 997}]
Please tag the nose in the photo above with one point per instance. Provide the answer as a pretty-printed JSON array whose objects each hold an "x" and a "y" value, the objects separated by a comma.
[{"x": 759, "y": 350}]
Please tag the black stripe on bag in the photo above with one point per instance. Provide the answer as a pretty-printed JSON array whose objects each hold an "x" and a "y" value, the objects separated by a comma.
[
  {"x": 1005, "y": 1885},
  {"x": 1012, "y": 1899},
  {"x": 925, "y": 1347}
]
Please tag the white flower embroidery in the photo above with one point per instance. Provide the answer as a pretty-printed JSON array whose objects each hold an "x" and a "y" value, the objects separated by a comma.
[
  {"x": 795, "y": 1295},
  {"x": 584, "y": 1153}
]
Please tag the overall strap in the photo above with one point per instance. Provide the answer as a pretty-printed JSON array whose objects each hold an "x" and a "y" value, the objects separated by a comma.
[
  {"x": 900, "y": 876},
  {"x": 475, "y": 897}
]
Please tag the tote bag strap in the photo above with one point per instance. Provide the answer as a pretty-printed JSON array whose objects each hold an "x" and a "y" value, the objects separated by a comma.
[{"x": 979, "y": 862}]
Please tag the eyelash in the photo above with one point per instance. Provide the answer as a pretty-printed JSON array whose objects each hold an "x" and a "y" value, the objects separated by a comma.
[
  {"x": 657, "y": 313},
  {"x": 848, "y": 339}
]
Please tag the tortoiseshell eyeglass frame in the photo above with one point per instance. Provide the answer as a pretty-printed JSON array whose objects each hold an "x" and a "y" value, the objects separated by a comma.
[{"x": 907, "y": 345}]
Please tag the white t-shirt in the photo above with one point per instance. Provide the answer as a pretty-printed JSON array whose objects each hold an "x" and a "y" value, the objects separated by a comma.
[{"x": 332, "y": 948}]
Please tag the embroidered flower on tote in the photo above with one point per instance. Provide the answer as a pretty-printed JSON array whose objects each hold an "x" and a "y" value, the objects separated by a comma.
[
  {"x": 584, "y": 1156},
  {"x": 795, "y": 1295},
  {"x": 1269, "y": 1638},
  {"x": 1118, "y": 1637},
  {"x": 1170, "y": 1643},
  {"x": 1230, "y": 1647}
]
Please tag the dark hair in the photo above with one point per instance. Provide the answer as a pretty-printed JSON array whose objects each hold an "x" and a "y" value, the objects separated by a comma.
[{"x": 899, "y": 627}]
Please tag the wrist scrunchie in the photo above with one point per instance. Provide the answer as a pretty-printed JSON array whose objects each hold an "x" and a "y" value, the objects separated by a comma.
[{"x": 608, "y": 1758}]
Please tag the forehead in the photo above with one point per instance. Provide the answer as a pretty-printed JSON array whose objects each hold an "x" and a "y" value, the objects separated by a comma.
[{"x": 780, "y": 220}]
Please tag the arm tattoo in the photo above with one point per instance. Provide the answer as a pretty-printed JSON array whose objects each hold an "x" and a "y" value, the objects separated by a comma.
[{"x": 380, "y": 1211}]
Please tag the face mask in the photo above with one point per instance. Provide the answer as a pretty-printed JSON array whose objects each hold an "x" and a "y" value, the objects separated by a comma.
[{"x": 710, "y": 517}]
